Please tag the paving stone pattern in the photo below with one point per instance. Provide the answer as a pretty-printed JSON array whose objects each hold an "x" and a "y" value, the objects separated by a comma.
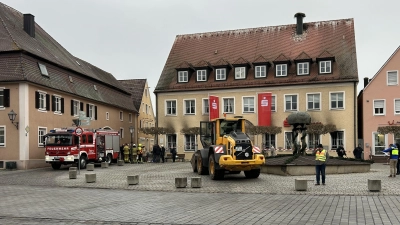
[{"x": 45, "y": 196}]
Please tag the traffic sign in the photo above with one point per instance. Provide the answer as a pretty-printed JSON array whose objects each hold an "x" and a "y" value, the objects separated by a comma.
[{"x": 78, "y": 131}]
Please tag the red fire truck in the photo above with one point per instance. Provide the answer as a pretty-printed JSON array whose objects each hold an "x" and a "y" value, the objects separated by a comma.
[{"x": 63, "y": 147}]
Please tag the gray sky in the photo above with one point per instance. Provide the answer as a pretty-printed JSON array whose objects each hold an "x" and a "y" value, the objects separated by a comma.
[{"x": 132, "y": 38}]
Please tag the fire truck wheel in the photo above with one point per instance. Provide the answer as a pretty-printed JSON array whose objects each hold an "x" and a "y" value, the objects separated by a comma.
[
  {"x": 83, "y": 161},
  {"x": 193, "y": 162},
  {"x": 201, "y": 170},
  {"x": 214, "y": 173},
  {"x": 252, "y": 173},
  {"x": 56, "y": 166},
  {"x": 109, "y": 159}
]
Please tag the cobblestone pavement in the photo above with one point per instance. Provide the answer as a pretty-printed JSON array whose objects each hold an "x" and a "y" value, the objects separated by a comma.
[{"x": 45, "y": 196}]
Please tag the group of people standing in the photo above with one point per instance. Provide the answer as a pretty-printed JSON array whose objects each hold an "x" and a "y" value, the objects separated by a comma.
[{"x": 139, "y": 154}]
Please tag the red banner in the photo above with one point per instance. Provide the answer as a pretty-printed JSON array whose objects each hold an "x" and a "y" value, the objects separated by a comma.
[
  {"x": 264, "y": 109},
  {"x": 213, "y": 103}
]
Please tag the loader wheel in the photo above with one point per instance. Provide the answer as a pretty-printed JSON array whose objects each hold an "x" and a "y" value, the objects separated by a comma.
[
  {"x": 201, "y": 170},
  {"x": 193, "y": 162},
  {"x": 214, "y": 173},
  {"x": 252, "y": 173}
]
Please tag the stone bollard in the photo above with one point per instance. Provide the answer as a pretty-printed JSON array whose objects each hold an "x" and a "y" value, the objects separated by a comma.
[
  {"x": 180, "y": 182},
  {"x": 374, "y": 185},
  {"x": 121, "y": 162},
  {"x": 195, "y": 182},
  {"x": 90, "y": 177},
  {"x": 73, "y": 168},
  {"x": 90, "y": 167},
  {"x": 300, "y": 184},
  {"x": 104, "y": 165},
  {"x": 72, "y": 174},
  {"x": 132, "y": 179}
]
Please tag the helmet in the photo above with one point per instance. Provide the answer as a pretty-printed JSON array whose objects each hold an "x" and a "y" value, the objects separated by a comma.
[
  {"x": 140, "y": 145},
  {"x": 134, "y": 145}
]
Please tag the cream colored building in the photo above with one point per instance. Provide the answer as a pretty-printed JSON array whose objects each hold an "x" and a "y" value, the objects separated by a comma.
[{"x": 308, "y": 67}]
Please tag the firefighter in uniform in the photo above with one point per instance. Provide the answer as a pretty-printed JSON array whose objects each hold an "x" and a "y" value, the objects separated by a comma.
[
  {"x": 140, "y": 153},
  {"x": 126, "y": 153},
  {"x": 134, "y": 153}
]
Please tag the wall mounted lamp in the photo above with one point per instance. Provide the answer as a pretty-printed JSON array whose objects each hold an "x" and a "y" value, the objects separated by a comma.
[{"x": 11, "y": 116}]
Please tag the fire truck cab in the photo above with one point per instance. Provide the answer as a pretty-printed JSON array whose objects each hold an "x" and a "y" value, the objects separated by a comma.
[{"x": 64, "y": 147}]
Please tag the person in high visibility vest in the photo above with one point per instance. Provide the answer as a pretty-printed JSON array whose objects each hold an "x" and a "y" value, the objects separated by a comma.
[
  {"x": 134, "y": 153},
  {"x": 394, "y": 156},
  {"x": 126, "y": 153},
  {"x": 321, "y": 157}
]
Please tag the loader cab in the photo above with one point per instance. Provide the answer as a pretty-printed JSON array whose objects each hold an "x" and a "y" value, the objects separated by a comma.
[{"x": 212, "y": 132}]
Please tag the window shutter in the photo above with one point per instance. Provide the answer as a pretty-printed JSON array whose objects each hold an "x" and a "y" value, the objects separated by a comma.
[
  {"x": 36, "y": 99},
  {"x": 47, "y": 102},
  {"x": 397, "y": 106},
  {"x": 95, "y": 112},
  {"x": 392, "y": 78},
  {"x": 53, "y": 103},
  {"x": 72, "y": 107},
  {"x": 87, "y": 110},
  {"x": 6, "y": 97},
  {"x": 378, "y": 104},
  {"x": 62, "y": 105},
  {"x": 81, "y": 106}
]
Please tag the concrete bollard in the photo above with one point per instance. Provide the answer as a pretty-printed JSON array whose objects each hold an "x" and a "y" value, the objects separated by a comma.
[
  {"x": 73, "y": 168},
  {"x": 104, "y": 165},
  {"x": 180, "y": 182},
  {"x": 121, "y": 162},
  {"x": 132, "y": 179},
  {"x": 90, "y": 167},
  {"x": 195, "y": 182},
  {"x": 300, "y": 184},
  {"x": 374, "y": 185},
  {"x": 90, "y": 177},
  {"x": 72, "y": 174}
]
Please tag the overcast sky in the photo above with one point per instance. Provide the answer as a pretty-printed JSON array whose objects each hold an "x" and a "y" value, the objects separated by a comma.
[{"x": 132, "y": 38}]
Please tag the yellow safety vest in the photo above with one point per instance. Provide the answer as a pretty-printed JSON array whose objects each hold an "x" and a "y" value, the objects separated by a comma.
[
  {"x": 395, "y": 151},
  {"x": 320, "y": 155}
]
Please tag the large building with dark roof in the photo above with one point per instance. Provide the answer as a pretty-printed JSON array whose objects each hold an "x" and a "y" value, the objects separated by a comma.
[
  {"x": 309, "y": 67},
  {"x": 47, "y": 87}
]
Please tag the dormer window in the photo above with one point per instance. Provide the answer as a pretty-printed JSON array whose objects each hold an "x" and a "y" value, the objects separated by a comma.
[
  {"x": 325, "y": 67},
  {"x": 220, "y": 74},
  {"x": 183, "y": 76},
  {"x": 260, "y": 71},
  {"x": 281, "y": 70},
  {"x": 201, "y": 75},
  {"x": 43, "y": 69},
  {"x": 303, "y": 68},
  {"x": 240, "y": 73}
]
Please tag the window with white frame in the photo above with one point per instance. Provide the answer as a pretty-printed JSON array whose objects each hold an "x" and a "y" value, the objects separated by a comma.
[
  {"x": 206, "y": 107},
  {"x": 240, "y": 72},
  {"x": 261, "y": 71},
  {"x": 336, "y": 139},
  {"x": 121, "y": 115},
  {"x": 313, "y": 101},
  {"x": 190, "y": 107},
  {"x": 41, "y": 136},
  {"x": 121, "y": 132},
  {"x": 1, "y": 97},
  {"x": 290, "y": 102},
  {"x": 288, "y": 140},
  {"x": 281, "y": 70},
  {"x": 270, "y": 140},
  {"x": 337, "y": 100},
  {"x": 273, "y": 103},
  {"x": 220, "y": 74},
  {"x": 2, "y": 136},
  {"x": 42, "y": 101},
  {"x": 130, "y": 117},
  {"x": 183, "y": 76},
  {"x": 91, "y": 113},
  {"x": 75, "y": 107},
  {"x": 392, "y": 78},
  {"x": 171, "y": 107},
  {"x": 303, "y": 68},
  {"x": 201, "y": 75},
  {"x": 248, "y": 104},
  {"x": 379, "y": 107},
  {"x": 313, "y": 141},
  {"x": 107, "y": 116},
  {"x": 190, "y": 143},
  {"x": 171, "y": 141},
  {"x": 57, "y": 104},
  {"x": 325, "y": 67},
  {"x": 397, "y": 106},
  {"x": 147, "y": 109},
  {"x": 229, "y": 105}
]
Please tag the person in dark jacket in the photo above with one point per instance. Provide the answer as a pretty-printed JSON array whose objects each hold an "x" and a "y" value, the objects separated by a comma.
[
  {"x": 340, "y": 151},
  {"x": 162, "y": 153},
  {"x": 357, "y": 152},
  {"x": 172, "y": 149},
  {"x": 156, "y": 153}
]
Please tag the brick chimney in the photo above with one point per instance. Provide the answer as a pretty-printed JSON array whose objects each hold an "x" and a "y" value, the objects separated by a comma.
[
  {"x": 366, "y": 81},
  {"x": 299, "y": 27},
  {"x": 29, "y": 24}
]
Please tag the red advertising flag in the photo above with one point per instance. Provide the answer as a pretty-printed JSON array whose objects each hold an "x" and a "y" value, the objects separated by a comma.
[
  {"x": 213, "y": 103},
  {"x": 264, "y": 109}
]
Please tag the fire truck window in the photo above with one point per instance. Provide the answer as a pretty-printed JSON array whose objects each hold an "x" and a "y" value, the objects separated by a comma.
[
  {"x": 90, "y": 138},
  {"x": 76, "y": 140},
  {"x": 84, "y": 139}
]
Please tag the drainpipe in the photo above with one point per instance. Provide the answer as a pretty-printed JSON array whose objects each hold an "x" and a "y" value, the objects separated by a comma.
[
  {"x": 156, "y": 136},
  {"x": 355, "y": 115}
]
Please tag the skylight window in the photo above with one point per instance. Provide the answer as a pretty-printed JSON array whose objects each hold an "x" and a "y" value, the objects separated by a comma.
[{"x": 43, "y": 69}]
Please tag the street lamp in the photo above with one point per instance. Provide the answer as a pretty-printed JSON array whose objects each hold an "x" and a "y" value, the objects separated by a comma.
[
  {"x": 11, "y": 116},
  {"x": 131, "y": 129}
]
